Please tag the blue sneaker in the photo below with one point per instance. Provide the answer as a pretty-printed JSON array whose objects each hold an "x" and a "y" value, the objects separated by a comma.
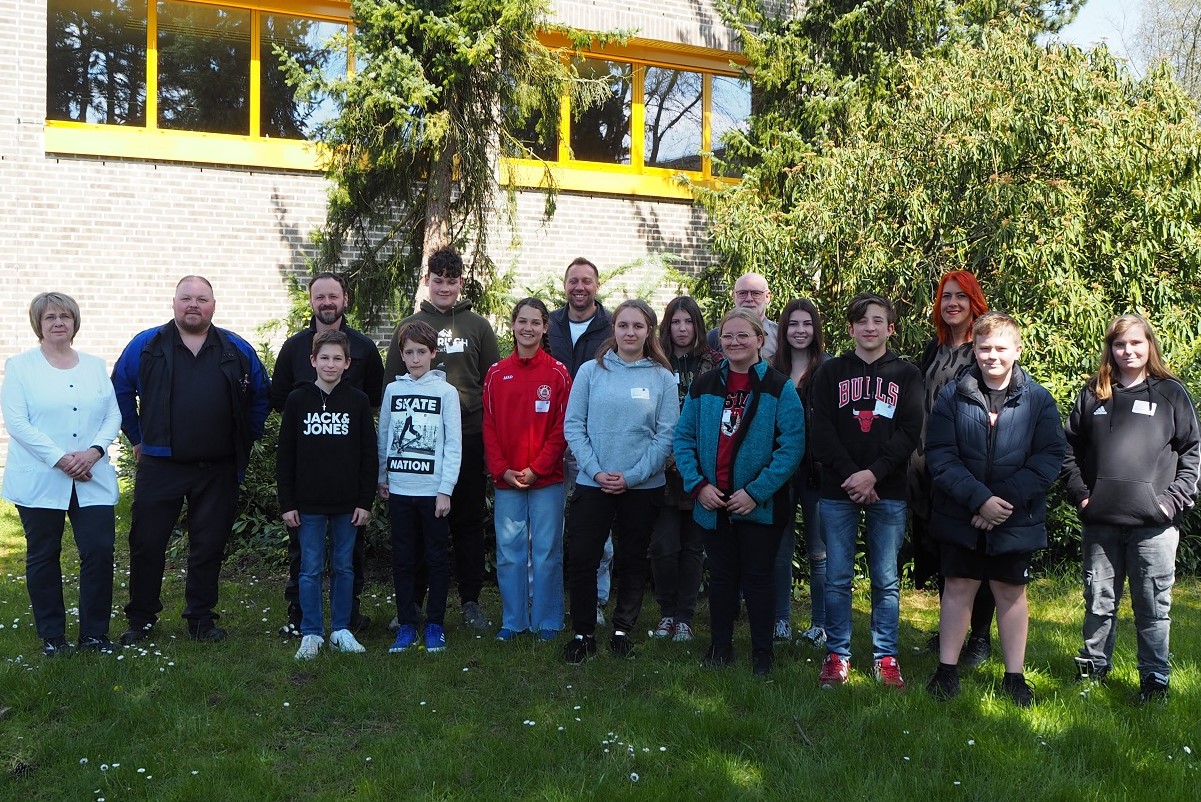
[
  {"x": 548, "y": 634},
  {"x": 406, "y": 636},
  {"x": 435, "y": 638},
  {"x": 506, "y": 634}
]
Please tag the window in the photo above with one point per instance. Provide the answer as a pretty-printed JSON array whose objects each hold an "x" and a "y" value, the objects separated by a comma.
[
  {"x": 667, "y": 109},
  {"x": 190, "y": 80}
]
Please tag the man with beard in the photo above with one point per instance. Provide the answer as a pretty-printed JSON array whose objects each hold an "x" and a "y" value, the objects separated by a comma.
[
  {"x": 193, "y": 399},
  {"x": 751, "y": 292},
  {"x": 327, "y": 297}
]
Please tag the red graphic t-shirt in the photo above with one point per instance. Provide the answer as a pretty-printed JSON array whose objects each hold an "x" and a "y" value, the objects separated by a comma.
[{"x": 738, "y": 389}]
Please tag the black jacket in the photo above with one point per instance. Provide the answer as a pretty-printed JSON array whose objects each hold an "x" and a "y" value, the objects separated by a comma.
[
  {"x": 1017, "y": 459},
  {"x": 292, "y": 366},
  {"x": 326, "y": 464},
  {"x": 1136, "y": 468},
  {"x": 586, "y": 347},
  {"x": 142, "y": 380},
  {"x": 866, "y": 416}
]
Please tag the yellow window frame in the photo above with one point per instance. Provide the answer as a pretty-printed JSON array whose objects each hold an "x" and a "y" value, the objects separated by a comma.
[
  {"x": 151, "y": 142},
  {"x": 635, "y": 178}
]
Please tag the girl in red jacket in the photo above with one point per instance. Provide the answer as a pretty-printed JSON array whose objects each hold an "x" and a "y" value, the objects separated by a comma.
[{"x": 525, "y": 397}]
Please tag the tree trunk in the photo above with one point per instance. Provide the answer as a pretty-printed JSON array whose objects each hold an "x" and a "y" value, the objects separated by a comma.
[{"x": 437, "y": 234}]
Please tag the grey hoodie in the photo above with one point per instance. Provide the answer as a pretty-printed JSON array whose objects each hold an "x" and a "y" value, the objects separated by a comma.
[{"x": 622, "y": 417}]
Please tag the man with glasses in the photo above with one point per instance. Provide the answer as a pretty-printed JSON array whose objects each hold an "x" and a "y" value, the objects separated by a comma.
[{"x": 751, "y": 292}]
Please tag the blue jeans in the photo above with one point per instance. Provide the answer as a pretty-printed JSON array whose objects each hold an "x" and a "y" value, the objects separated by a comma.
[
  {"x": 342, "y": 536},
  {"x": 529, "y": 557},
  {"x": 885, "y": 531},
  {"x": 1147, "y": 555},
  {"x": 815, "y": 548}
]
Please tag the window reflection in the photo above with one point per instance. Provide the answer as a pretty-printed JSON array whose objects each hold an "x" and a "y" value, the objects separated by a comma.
[
  {"x": 306, "y": 41},
  {"x": 544, "y": 146},
  {"x": 672, "y": 124},
  {"x": 96, "y": 61},
  {"x": 601, "y": 133},
  {"x": 731, "y": 109},
  {"x": 203, "y": 68}
]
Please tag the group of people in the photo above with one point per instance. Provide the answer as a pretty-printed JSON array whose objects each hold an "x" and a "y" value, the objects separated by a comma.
[{"x": 673, "y": 445}]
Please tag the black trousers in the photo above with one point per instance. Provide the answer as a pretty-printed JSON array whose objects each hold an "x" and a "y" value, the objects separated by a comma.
[
  {"x": 93, "y": 528},
  {"x": 592, "y": 514},
  {"x": 292, "y": 588},
  {"x": 742, "y": 555},
  {"x": 211, "y": 490}
]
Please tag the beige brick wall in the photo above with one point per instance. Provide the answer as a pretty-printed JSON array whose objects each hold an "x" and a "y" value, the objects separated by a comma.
[
  {"x": 693, "y": 22},
  {"x": 117, "y": 234}
]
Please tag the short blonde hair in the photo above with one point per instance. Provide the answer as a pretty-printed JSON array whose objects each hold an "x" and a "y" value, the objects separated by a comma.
[
  {"x": 991, "y": 323},
  {"x": 46, "y": 300}
]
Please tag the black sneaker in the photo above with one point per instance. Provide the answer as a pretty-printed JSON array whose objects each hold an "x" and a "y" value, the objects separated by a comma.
[
  {"x": 359, "y": 622},
  {"x": 579, "y": 649},
  {"x": 1152, "y": 689},
  {"x": 135, "y": 634},
  {"x": 206, "y": 632},
  {"x": 762, "y": 662},
  {"x": 944, "y": 684},
  {"x": 976, "y": 651},
  {"x": 95, "y": 643},
  {"x": 57, "y": 647},
  {"x": 292, "y": 628},
  {"x": 474, "y": 617},
  {"x": 1087, "y": 670},
  {"x": 1018, "y": 689},
  {"x": 718, "y": 658},
  {"x": 621, "y": 645}
]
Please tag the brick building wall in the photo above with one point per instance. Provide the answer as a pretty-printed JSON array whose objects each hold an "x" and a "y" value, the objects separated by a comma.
[{"x": 117, "y": 234}]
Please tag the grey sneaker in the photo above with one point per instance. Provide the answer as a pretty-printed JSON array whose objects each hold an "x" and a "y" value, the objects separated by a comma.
[
  {"x": 473, "y": 617},
  {"x": 815, "y": 637},
  {"x": 1087, "y": 670},
  {"x": 665, "y": 629},
  {"x": 783, "y": 631},
  {"x": 683, "y": 632}
]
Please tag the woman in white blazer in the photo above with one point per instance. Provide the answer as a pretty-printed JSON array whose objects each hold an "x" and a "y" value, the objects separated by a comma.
[{"x": 61, "y": 414}]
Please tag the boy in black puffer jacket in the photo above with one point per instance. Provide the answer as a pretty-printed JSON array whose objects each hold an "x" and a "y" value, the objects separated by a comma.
[{"x": 994, "y": 445}]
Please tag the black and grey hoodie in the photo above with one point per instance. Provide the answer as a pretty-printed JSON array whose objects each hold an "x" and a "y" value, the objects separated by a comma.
[{"x": 1135, "y": 457}]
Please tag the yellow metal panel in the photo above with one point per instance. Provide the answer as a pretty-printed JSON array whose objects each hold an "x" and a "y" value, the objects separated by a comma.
[
  {"x": 661, "y": 54},
  {"x": 331, "y": 9},
  {"x": 605, "y": 179},
  {"x": 637, "y": 116},
  {"x": 181, "y": 146}
]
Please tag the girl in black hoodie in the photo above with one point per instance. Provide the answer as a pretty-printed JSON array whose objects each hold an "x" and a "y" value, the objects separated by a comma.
[{"x": 1131, "y": 469}]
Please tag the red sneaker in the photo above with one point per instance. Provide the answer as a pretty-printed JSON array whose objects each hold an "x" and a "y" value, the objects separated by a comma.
[
  {"x": 835, "y": 671},
  {"x": 888, "y": 671}
]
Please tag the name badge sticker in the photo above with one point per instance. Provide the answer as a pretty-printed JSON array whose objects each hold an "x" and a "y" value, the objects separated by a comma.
[
  {"x": 542, "y": 406},
  {"x": 456, "y": 347},
  {"x": 884, "y": 409},
  {"x": 1142, "y": 407},
  {"x": 640, "y": 393}
]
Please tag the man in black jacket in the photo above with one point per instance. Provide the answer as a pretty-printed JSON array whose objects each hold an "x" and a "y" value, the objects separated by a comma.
[{"x": 328, "y": 298}]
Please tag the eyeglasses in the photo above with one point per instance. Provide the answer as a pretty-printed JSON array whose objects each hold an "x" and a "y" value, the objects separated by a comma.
[
  {"x": 744, "y": 294},
  {"x": 740, "y": 337}
]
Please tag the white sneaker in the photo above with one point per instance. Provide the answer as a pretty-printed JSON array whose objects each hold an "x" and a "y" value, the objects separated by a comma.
[
  {"x": 683, "y": 632},
  {"x": 783, "y": 630},
  {"x": 665, "y": 629},
  {"x": 814, "y": 636},
  {"x": 309, "y": 646},
  {"x": 344, "y": 641}
]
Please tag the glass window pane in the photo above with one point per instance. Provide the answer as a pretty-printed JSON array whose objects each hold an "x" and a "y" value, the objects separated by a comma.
[
  {"x": 544, "y": 147},
  {"x": 306, "y": 40},
  {"x": 601, "y": 133},
  {"x": 731, "y": 109},
  {"x": 96, "y": 61},
  {"x": 672, "y": 119},
  {"x": 203, "y": 68}
]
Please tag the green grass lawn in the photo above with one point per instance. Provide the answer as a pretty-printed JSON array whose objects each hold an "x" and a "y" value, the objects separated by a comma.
[{"x": 241, "y": 720}]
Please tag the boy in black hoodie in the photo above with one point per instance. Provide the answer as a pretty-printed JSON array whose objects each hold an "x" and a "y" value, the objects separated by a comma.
[
  {"x": 325, "y": 477},
  {"x": 867, "y": 418}
]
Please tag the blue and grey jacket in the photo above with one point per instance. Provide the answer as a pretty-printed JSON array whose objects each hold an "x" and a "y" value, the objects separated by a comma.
[
  {"x": 768, "y": 445},
  {"x": 142, "y": 380},
  {"x": 971, "y": 460}
]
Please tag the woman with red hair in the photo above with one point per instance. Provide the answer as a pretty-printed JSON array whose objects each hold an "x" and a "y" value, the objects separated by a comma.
[{"x": 957, "y": 303}]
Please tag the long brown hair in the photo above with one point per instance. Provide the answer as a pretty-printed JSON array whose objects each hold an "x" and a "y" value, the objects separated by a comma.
[
  {"x": 1102, "y": 382},
  {"x": 650, "y": 348},
  {"x": 978, "y": 306},
  {"x": 683, "y": 303},
  {"x": 537, "y": 304},
  {"x": 782, "y": 361}
]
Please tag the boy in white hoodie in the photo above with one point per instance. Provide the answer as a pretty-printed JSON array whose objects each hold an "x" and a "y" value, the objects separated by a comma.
[{"x": 420, "y": 449}]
